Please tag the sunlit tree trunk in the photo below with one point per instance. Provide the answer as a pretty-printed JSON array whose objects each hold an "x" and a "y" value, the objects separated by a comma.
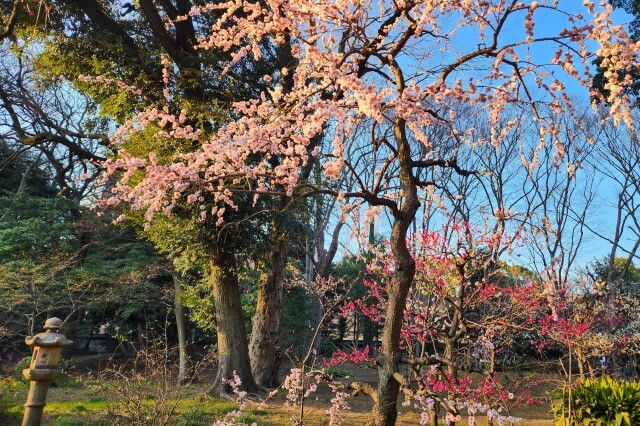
[
  {"x": 263, "y": 348},
  {"x": 580, "y": 357},
  {"x": 233, "y": 354}
]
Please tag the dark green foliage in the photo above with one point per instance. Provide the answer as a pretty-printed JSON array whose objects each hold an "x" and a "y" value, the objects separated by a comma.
[
  {"x": 602, "y": 402},
  {"x": 338, "y": 372},
  {"x": 34, "y": 226},
  {"x": 129, "y": 282},
  {"x": 37, "y": 257},
  {"x": 17, "y": 168},
  {"x": 353, "y": 270},
  {"x": 69, "y": 421},
  {"x": 19, "y": 366},
  {"x": 633, "y": 8},
  {"x": 297, "y": 317},
  {"x": 248, "y": 284},
  {"x": 44, "y": 270}
]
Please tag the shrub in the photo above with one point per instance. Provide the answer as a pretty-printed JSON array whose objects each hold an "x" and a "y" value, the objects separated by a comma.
[
  {"x": 602, "y": 402},
  {"x": 8, "y": 396},
  {"x": 19, "y": 366}
]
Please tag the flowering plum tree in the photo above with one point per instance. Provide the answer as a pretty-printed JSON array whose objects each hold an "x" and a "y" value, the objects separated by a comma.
[
  {"x": 458, "y": 306},
  {"x": 592, "y": 322},
  {"x": 397, "y": 69}
]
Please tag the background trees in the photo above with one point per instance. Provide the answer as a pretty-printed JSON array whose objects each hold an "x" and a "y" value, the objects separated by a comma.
[{"x": 227, "y": 112}]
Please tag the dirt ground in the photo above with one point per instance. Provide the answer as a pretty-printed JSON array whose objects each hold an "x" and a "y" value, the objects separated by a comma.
[
  {"x": 532, "y": 415},
  {"x": 63, "y": 402}
]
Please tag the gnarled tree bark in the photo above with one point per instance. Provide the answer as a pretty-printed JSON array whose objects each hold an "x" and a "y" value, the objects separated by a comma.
[{"x": 263, "y": 348}]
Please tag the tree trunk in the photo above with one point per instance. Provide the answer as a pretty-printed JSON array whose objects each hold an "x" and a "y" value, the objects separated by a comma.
[
  {"x": 356, "y": 332},
  {"x": 433, "y": 416},
  {"x": 233, "y": 354},
  {"x": 385, "y": 411},
  {"x": 181, "y": 326},
  {"x": 449, "y": 353},
  {"x": 263, "y": 348},
  {"x": 580, "y": 363}
]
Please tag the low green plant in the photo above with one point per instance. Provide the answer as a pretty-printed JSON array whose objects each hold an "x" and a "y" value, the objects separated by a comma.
[
  {"x": 602, "y": 402},
  {"x": 338, "y": 372},
  {"x": 193, "y": 417},
  {"x": 68, "y": 421},
  {"x": 79, "y": 408}
]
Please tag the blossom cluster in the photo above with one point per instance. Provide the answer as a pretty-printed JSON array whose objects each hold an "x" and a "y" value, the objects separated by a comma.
[{"x": 345, "y": 53}]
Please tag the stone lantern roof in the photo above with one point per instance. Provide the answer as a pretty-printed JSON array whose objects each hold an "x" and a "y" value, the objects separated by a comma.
[{"x": 50, "y": 337}]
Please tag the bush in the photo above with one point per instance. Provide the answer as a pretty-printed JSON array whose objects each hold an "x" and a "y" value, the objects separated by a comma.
[
  {"x": 603, "y": 402},
  {"x": 8, "y": 396},
  {"x": 19, "y": 366}
]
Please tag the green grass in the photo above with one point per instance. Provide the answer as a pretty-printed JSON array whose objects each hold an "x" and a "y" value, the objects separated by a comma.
[
  {"x": 72, "y": 421},
  {"x": 190, "y": 412},
  {"x": 80, "y": 403},
  {"x": 338, "y": 372},
  {"x": 75, "y": 407}
]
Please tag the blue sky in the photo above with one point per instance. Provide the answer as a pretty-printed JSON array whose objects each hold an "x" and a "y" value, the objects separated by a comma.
[{"x": 602, "y": 215}]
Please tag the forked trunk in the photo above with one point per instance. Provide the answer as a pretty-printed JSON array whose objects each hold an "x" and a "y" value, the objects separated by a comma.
[
  {"x": 233, "y": 354},
  {"x": 385, "y": 411},
  {"x": 263, "y": 348}
]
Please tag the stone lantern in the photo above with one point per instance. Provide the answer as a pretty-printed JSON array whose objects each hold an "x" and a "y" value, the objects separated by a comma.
[{"x": 44, "y": 369}]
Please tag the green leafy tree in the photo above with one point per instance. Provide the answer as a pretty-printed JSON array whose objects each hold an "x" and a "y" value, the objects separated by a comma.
[
  {"x": 125, "y": 43},
  {"x": 623, "y": 277}
]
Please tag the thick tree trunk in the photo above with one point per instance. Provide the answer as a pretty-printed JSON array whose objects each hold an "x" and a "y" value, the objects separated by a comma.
[
  {"x": 181, "y": 326},
  {"x": 263, "y": 348},
  {"x": 233, "y": 354}
]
